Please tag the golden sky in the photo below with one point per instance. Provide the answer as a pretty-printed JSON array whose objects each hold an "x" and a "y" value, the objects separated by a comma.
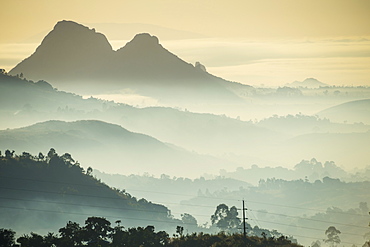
[
  {"x": 249, "y": 41},
  {"x": 217, "y": 18}
]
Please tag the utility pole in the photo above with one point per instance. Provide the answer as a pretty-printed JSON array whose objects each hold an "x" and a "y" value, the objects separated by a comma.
[{"x": 244, "y": 230}]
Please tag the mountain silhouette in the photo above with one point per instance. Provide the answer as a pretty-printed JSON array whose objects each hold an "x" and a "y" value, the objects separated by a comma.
[
  {"x": 69, "y": 51},
  {"x": 75, "y": 58},
  {"x": 308, "y": 83}
]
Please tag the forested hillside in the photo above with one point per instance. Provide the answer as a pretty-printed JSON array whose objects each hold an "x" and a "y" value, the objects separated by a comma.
[{"x": 42, "y": 192}]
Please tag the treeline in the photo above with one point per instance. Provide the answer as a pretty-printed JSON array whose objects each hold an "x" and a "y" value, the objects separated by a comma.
[
  {"x": 44, "y": 191},
  {"x": 98, "y": 232}
]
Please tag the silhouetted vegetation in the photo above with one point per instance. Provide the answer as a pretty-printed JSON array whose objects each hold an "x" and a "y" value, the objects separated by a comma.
[
  {"x": 41, "y": 191},
  {"x": 98, "y": 232}
]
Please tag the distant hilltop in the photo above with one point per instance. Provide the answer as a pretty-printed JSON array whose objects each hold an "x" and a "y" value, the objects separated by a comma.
[
  {"x": 307, "y": 83},
  {"x": 76, "y": 58}
]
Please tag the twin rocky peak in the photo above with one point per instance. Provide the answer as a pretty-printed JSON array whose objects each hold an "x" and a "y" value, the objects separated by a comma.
[{"x": 73, "y": 56}]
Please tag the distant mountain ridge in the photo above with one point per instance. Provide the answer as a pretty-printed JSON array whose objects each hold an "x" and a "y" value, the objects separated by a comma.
[
  {"x": 308, "y": 83},
  {"x": 79, "y": 59}
]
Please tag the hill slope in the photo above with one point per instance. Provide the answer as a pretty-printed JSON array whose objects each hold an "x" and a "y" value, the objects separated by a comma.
[
  {"x": 41, "y": 193},
  {"x": 353, "y": 111},
  {"x": 99, "y": 144}
]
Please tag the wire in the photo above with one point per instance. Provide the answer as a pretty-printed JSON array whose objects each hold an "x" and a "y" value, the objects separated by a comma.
[
  {"x": 297, "y": 217},
  {"x": 309, "y": 228},
  {"x": 249, "y": 210},
  {"x": 311, "y": 209},
  {"x": 315, "y": 238},
  {"x": 105, "y": 216},
  {"x": 94, "y": 206},
  {"x": 208, "y": 197},
  {"x": 74, "y": 204},
  {"x": 182, "y": 204},
  {"x": 129, "y": 218}
]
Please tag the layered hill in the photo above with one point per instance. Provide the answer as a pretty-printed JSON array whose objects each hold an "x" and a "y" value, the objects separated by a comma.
[
  {"x": 353, "y": 111},
  {"x": 79, "y": 59},
  {"x": 107, "y": 147},
  {"x": 25, "y": 103},
  {"x": 232, "y": 141}
]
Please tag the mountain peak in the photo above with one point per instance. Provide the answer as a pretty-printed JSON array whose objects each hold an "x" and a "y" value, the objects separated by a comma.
[
  {"x": 143, "y": 40},
  {"x": 68, "y": 47},
  {"x": 64, "y": 24},
  {"x": 67, "y": 33}
]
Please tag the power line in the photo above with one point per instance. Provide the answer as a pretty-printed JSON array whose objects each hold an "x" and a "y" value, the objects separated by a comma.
[
  {"x": 105, "y": 216},
  {"x": 297, "y": 217},
  {"x": 102, "y": 197},
  {"x": 102, "y": 183},
  {"x": 95, "y": 206},
  {"x": 208, "y": 197},
  {"x": 138, "y": 219},
  {"x": 311, "y": 209},
  {"x": 255, "y": 220},
  {"x": 309, "y": 228},
  {"x": 193, "y": 205},
  {"x": 315, "y": 238},
  {"x": 74, "y": 204}
]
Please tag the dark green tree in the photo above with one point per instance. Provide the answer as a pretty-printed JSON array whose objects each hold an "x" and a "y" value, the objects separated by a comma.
[
  {"x": 52, "y": 153},
  {"x": 41, "y": 157},
  {"x": 6, "y": 237},
  {"x": 97, "y": 230},
  {"x": 180, "y": 230},
  {"x": 89, "y": 170},
  {"x": 71, "y": 235},
  {"x": 67, "y": 158},
  {"x": 9, "y": 154},
  {"x": 145, "y": 237},
  {"x": 26, "y": 155},
  {"x": 33, "y": 240}
]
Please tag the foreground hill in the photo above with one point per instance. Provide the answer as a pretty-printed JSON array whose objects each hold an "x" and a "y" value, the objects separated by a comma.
[
  {"x": 107, "y": 147},
  {"x": 353, "y": 111},
  {"x": 43, "y": 192},
  {"x": 77, "y": 58}
]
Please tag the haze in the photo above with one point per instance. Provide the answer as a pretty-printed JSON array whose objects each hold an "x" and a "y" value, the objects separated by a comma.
[
  {"x": 267, "y": 43},
  {"x": 174, "y": 108}
]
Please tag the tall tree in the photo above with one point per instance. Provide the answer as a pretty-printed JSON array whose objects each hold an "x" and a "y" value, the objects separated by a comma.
[
  {"x": 226, "y": 219},
  {"x": 97, "y": 230},
  {"x": 332, "y": 235},
  {"x": 71, "y": 234}
]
